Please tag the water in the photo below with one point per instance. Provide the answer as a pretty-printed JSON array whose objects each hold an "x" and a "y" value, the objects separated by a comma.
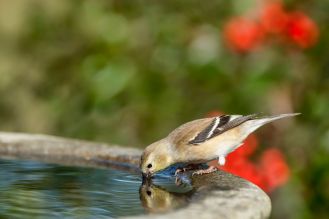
[{"x": 30, "y": 189}]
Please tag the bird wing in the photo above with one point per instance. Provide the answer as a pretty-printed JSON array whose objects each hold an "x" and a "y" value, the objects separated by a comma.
[{"x": 219, "y": 125}]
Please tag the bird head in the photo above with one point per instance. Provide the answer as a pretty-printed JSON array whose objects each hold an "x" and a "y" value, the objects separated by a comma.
[
  {"x": 157, "y": 200},
  {"x": 156, "y": 157}
]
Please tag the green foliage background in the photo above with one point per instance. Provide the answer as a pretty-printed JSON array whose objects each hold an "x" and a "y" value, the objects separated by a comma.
[{"x": 128, "y": 72}]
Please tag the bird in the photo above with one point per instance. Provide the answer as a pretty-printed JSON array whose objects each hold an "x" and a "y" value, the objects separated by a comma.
[{"x": 202, "y": 140}]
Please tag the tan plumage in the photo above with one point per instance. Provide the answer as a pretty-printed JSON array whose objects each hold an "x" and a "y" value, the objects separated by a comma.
[{"x": 202, "y": 140}]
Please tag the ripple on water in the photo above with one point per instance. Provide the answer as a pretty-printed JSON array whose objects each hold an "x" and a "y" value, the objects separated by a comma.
[{"x": 33, "y": 189}]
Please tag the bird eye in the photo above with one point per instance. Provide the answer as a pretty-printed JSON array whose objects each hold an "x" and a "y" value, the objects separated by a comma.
[
  {"x": 149, "y": 193},
  {"x": 149, "y": 166}
]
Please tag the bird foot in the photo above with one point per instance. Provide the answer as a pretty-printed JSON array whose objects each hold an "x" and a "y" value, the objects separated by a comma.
[
  {"x": 178, "y": 181},
  {"x": 210, "y": 169},
  {"x": 187, "y": 168}
]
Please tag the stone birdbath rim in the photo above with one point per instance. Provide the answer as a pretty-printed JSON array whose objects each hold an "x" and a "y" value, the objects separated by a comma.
[{"x": 218, "y": 195}]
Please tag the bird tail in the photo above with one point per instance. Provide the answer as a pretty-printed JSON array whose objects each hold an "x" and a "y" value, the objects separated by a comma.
[{"x": 253, "y": 124}]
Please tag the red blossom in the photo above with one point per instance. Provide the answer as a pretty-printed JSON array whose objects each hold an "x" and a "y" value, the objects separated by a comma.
[
  {"x": 243, "y": 167},
  {"x": 243, "y": 34},
  {"x": 274, "y": 167},
  {"x": 252, "y": 173},
  {"x": 302, "y": 30},
  {"x": 274, "y": 18}
]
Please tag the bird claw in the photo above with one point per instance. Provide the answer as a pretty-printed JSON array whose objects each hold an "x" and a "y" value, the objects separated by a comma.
[
  {"x": 178, "y": 181},
  {"x": 184, "y": 169},
  {"x": 205, "y": 171},
  {"x": 181, "y": 170},
  {"x": 178, "y": 171}
]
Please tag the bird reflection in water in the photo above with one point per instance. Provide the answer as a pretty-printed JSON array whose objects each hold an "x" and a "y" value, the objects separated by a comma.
[{"x": 160, "y": 195}]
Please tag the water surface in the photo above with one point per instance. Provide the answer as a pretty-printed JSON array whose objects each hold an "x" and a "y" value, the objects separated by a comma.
[{"x": 31, "y": 189}]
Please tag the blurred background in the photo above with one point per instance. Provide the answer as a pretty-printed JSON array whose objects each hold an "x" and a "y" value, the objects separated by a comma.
[{"x": 128, "y": 72}]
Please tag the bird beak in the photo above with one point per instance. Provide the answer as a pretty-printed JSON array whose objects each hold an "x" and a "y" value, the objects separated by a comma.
[
  {"x": 147, "y": 175},
  {"x": 146, "y": 182}
]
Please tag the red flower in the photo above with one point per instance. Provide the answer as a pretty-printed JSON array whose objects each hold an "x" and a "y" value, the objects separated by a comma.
[
  {"x": 243, "y": 34},
  {"x": 243, "y": 167},
  {"x": 302, "y": 30},
  {"x": 274, "y": 167},
  {"x": 274, "y": 18}
]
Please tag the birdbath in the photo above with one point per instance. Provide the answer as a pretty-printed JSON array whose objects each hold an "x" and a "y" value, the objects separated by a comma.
[{"x": 61, "y": 177}]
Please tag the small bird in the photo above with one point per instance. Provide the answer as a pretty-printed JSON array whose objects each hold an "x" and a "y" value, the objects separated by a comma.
[{"x": 202, "y": 140}]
